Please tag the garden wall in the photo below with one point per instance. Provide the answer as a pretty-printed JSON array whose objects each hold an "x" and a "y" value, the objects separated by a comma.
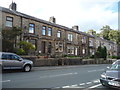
[{"x": 65, "y": 61}]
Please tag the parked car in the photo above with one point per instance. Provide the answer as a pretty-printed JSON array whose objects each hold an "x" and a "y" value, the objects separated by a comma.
[
  {"x": 13, "y": 61},
  {"x": 111, "y": 77}
]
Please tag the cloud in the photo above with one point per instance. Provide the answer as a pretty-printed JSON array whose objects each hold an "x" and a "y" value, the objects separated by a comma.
[{"x": 87, "y": 14}]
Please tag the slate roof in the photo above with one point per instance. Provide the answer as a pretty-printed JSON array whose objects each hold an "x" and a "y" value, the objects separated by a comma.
[
  {"x": 47, "y": 22},
  {"x": 40, "y": 20},
  {"x": 105, "y": 40}
]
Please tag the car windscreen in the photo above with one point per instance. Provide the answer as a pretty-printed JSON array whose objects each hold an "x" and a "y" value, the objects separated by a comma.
[{"x": 115, "y": 67}]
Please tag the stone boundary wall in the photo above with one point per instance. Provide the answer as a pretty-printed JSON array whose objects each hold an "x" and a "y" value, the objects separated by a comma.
[{"x": 65, "y": 61}]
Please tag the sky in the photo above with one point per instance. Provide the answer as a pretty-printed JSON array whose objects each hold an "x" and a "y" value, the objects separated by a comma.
[{"x": 87, "y": 14}]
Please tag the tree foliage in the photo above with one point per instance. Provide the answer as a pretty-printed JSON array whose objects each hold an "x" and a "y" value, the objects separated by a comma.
[
  {"x": 91, "y": 31},
  {"x": 107, "y": 33},
  {"x": 101, "y": 52},
  {"x": 105, "y": 30},
  {"x": 8, "y": 38},
  {"x": 114, "y": 35},
  {"x": 26, "y": 47}
]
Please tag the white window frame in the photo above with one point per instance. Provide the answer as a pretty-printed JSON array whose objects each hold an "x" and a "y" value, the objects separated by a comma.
[
  {"x": 70, "y": 37},
  {"x": 9, "y": 21},
  {"x": 59, "y": 33}
]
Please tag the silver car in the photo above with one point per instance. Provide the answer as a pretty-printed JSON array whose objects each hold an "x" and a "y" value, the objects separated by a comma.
[
  {"x": 13, "y": 61},
  {"x": 111, "y": 77}
]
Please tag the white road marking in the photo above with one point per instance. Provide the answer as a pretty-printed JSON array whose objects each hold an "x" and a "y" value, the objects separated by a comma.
[
  {"x": 59, "y": 75},
  {"x": 96, "y": 70},
  {"x": 74, "y": 85},
  {"x": 95, "y": 86},
  {"x": 96, "y": 81},
  {"x": 56, "y": 87},
  {"x": 92, "y": 71},
  {"x": 101, "y": 70},
  {"x": 88, "y": 82},
  {"x": 82, "y": 84},
  {"x": 65, "y": 86},
  {"x": 6, "y": 81}
]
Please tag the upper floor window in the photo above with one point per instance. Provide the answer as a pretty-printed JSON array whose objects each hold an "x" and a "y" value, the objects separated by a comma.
[
  {"x": 83, "y": 39},
  {"x": 76, "y": 36},
  {"x": 90, "y": 43},
  {"x": 31, "y": 28},
  {"x": 59, "y": 34},
  {"x": 70, "y": 37},
  {"x": 44, "y": 30},
  {"x": 49, "y": 31},
  {"x": 9, "y": 21}
]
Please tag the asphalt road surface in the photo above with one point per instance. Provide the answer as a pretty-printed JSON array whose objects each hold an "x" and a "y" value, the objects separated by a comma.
[{"x": 85, "y": 77}]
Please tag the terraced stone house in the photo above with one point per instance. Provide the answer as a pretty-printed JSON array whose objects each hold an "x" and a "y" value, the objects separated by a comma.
[{"x": 50, "y": 38}]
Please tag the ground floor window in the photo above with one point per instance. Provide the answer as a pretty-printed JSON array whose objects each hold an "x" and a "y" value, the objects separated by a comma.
[
  {"x": 76, "y": 51},
  {"x": 58, "y": 46},
  {"x": 92, "y": 52},
  {"x": 83, "y": 51},
  {"x": 33, "y": 42},
  {"x": 70, "y": 50}
]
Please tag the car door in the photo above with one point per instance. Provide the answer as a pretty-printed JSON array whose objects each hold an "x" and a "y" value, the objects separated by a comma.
[
  {"x": 5, "y": 61},
  {"x": 11, "y": 61},
  {"x": 16, "y": 63}
]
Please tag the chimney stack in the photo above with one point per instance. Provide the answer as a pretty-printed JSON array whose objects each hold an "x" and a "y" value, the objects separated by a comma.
[
  {"x": 76, "y": 28},
  {"x": 13, "y": 6},
  {"x": 52, "y": 19}
]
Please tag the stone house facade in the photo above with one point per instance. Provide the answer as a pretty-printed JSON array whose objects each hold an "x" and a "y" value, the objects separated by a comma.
[
  {"x": 48, "y": 37},
  {"x": 110, "y": 46}
]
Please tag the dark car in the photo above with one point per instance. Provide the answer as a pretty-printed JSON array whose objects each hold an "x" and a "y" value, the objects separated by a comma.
[
  {"x": 13, "y": 61},
  {"x": 111, "y": 77}
]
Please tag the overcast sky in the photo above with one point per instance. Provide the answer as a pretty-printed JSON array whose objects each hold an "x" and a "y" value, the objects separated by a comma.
[{"x": 87, "y": 14}]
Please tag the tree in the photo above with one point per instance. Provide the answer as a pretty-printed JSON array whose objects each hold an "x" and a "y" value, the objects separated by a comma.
[
  {"x": 98, "y": 52},
  {"x": 101, "y": 52},
  {"x": 26, "y": 46},
  {"x": 91, "y": 31},
  {"x": 104, "y": 53},
  {"x": 9, "y": 37},
  {"x": 114, "y": 35},
  {"x": 105, "y": 32}
]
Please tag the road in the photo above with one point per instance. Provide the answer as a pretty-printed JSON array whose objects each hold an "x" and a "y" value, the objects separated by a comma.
[{"x": 81, "y": 76}]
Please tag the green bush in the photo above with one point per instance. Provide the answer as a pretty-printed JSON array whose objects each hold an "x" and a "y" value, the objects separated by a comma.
[
  {"x": 101, "y": 52},
  {"x": 70, "y": 56},
  {"x": 114, "y": 57},
  {"x": 20, "y": 51},
  {"x": 92, "y": 56},
  {"x": 26, "y": 46},
  {"x": 64, "y": 55}
]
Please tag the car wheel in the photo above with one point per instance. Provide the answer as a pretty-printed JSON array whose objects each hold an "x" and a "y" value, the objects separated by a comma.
[{"x": 27, "y": 68}]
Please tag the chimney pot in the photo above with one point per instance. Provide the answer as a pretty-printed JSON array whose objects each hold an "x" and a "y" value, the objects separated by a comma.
[
  {"x": 13, "y": 6},
  {"x": 52, "y": 19},
  {"x": 76, "y": 28}
]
